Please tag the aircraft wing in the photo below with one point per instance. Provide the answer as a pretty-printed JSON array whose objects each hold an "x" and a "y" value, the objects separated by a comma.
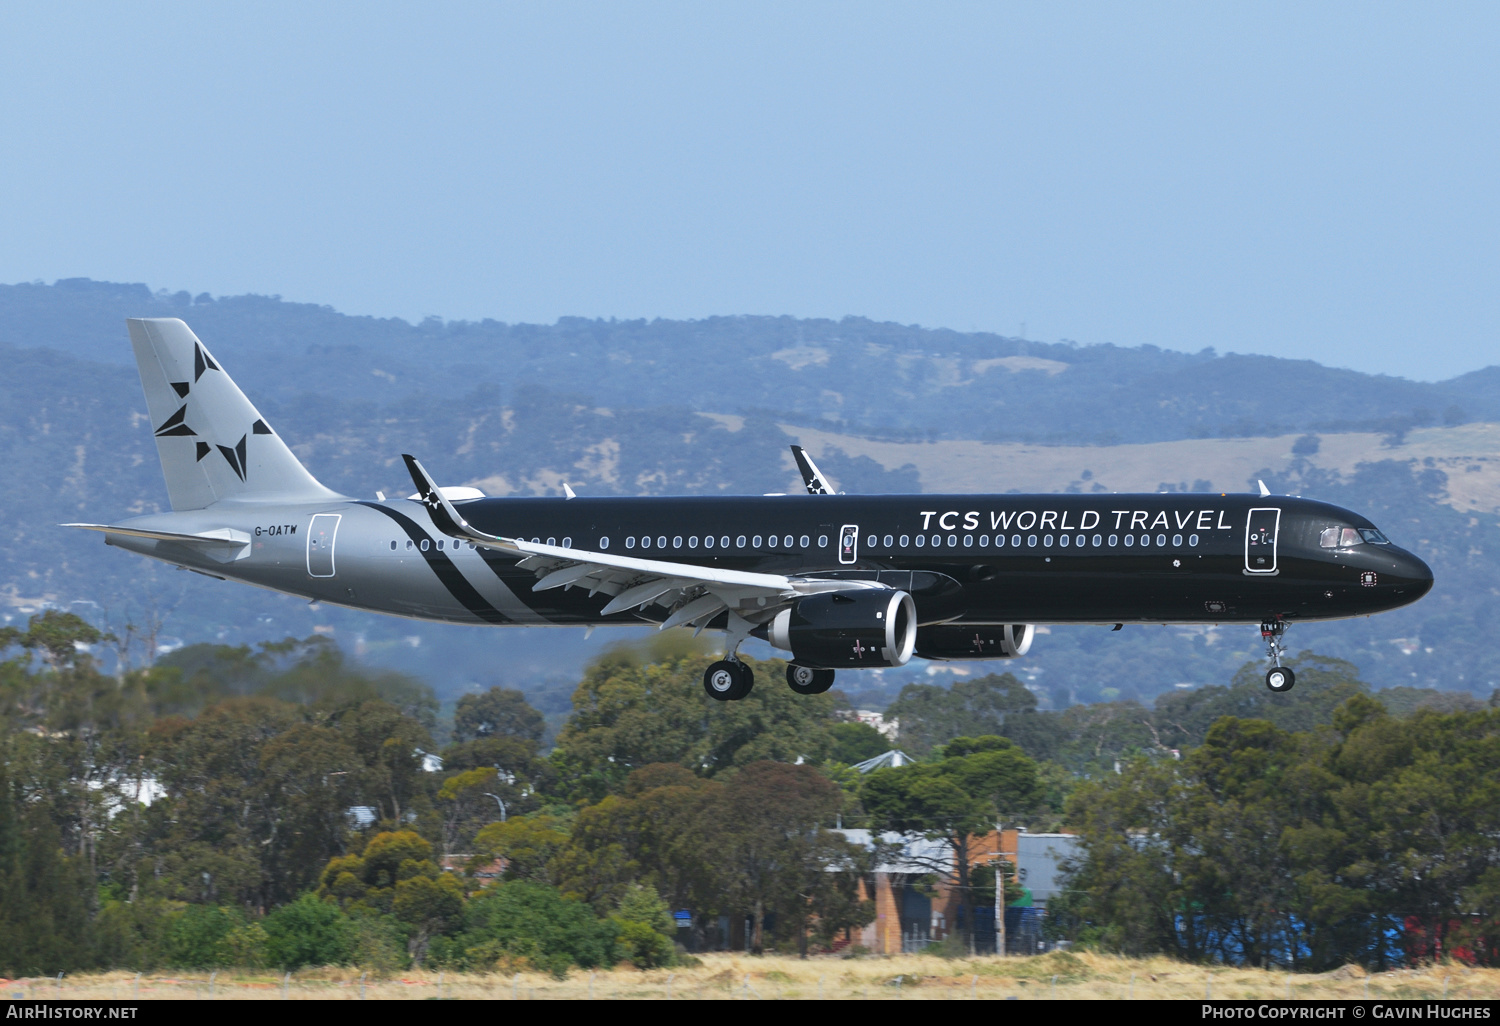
[{"x": 694, "y": 594}]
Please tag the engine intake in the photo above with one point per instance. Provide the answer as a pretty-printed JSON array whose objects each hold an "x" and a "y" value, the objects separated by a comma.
[
  {"x": 952, "y": 641},
  {"x": 845, "y": 629}
]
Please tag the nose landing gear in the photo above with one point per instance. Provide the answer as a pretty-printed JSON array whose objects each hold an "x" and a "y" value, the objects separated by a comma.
[{"x": 1278, "y": 678}]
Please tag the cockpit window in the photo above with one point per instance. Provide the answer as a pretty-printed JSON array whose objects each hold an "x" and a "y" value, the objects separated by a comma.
[
  {"x": 1339, "y": 537},
  {"x": 1343, "y": 537}
]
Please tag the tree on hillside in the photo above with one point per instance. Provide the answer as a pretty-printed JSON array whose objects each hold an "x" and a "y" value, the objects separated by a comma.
[
  {"x": 498, "y": 732},
  {"x": 976, "y": 783},
  {"x": 496, "y": 713},
  {"x": 932, "y": 715},
  {"x": 1183, "y": 718}
]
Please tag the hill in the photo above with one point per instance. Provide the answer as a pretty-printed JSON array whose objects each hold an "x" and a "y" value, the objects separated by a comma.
[{"x": 709, "y": 406}]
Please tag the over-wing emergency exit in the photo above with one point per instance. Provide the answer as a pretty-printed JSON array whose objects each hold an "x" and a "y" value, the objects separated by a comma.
[{"x": 835, "y": 581}]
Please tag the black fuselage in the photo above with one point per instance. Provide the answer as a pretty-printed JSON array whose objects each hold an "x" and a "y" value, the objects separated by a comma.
[{"x": 1001, "y": 558}]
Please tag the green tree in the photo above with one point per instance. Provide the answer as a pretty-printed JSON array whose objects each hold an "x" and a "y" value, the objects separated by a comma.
[
  {"x": 932, "y": 715},
  {"x": 856, "y": 742},
  {"x": 466, "y": 803},
  {"x": 1266, "y": 845},
  {"x": 428, "y": 905},
  {"x": 627, "y": 715},
  {"x": 976, "y": 783},
  {"x": 519, "y": 923},
  {"x": 655, "y": 833},
  {"x": 59, "y": 638},
  {"x": 646, "y": 928},
  {"x": 497, "y": 713},
  {"x": 528, "y": 844},
  {"x": 44, "y": 894},
  {"x": 308, "y": 931},
  {"x": 370, "y": 878},
  {"x": 769, "y": 841},
  {"x": 200, "y": 937}
]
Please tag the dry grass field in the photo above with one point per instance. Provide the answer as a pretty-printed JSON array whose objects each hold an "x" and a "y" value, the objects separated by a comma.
[{"x": 729, "y": 977}]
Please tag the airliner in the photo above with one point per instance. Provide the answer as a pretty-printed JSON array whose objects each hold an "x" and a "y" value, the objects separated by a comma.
[{"x": 838, "y": 582}]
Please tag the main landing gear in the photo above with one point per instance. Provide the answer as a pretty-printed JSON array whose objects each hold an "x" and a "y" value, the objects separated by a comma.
[
  {"x": 728, "y": 680},
  {"x": 1278, "y": 678},
  {"x": 807, "y": 680}
]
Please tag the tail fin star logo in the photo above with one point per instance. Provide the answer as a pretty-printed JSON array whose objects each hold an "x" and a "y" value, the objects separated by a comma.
[
  {"x": 201, "y": 362},
  {"x": 176, "y": 425},
  {"x": 236, "y": 456}
]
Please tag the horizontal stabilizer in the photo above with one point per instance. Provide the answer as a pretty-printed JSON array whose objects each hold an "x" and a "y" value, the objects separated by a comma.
[{"x": 223, "y": 537}]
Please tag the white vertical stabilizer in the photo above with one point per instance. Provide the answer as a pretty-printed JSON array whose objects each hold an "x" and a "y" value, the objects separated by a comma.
[{"x": 214, "y": 445}]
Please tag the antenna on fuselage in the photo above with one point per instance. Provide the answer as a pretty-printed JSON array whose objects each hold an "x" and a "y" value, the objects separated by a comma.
[{"x": 1265, "y": 493}]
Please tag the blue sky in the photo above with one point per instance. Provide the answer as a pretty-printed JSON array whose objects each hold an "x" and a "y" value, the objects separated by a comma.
[{"x": 1298, "y": 179}]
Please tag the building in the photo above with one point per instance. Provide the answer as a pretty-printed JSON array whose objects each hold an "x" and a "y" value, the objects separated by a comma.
[{"x": 916, "y": 897}]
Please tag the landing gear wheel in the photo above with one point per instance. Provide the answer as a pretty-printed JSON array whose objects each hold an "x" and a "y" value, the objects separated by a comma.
[
  {"x": 728, "y": 680},
  {"x": 1280, "y": 679},
  {"x": 806, "y": 680}
]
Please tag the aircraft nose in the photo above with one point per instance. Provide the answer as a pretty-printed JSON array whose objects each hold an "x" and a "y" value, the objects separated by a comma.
[{"x": 1415, "y": 575}]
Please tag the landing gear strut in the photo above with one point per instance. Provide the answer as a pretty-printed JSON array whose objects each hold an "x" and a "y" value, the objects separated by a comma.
[
  {"x": 1278, "y": 678},
  {"x": 807, "y": 680}
]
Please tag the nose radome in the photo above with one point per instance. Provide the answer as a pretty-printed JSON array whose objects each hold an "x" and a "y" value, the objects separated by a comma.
[{"x": 1414, "y": 569}]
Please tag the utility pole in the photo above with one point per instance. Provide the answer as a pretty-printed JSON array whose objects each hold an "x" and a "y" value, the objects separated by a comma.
[{"x": 999, "y": 892}]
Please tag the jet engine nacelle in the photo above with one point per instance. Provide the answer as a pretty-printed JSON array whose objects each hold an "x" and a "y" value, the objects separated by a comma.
[
  {"x": 953, "y": 641},
  {"x": 848, "y": 629}
]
